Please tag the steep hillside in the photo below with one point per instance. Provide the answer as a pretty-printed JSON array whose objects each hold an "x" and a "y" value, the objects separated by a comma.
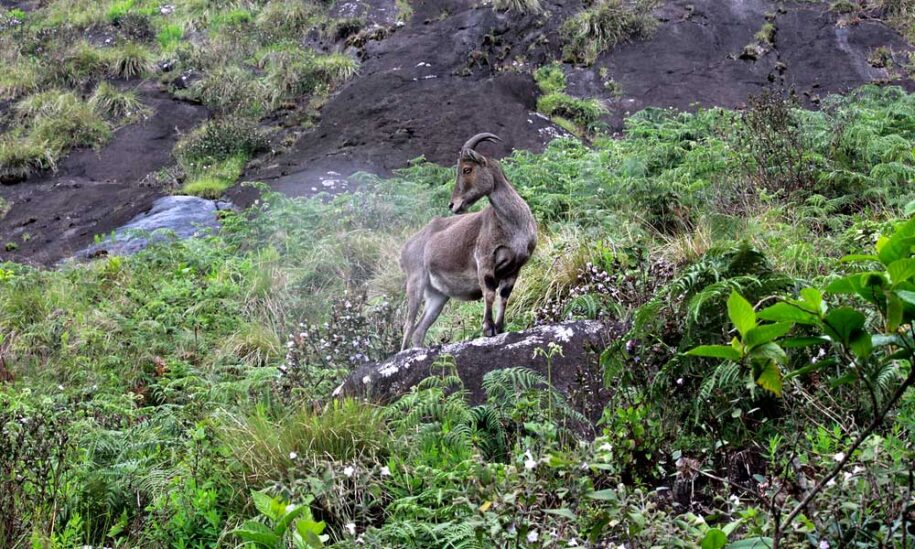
[{"x": 429, "y": 74}]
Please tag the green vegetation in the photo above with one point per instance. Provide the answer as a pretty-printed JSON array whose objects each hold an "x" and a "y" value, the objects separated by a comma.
[
  {"x": 519, "y": 6},
  {"x": 604, "y": 24},
  {"x": 181, "y": 396},
  {"x": 579, "y": 116},
  {"x": 246, "y": 59},
  {"x": 214, "y": 155},
  {"x": 49, "y": 124}
]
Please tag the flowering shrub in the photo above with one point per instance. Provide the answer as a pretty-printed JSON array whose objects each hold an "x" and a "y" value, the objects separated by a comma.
[{"x": 357, "y": 332}]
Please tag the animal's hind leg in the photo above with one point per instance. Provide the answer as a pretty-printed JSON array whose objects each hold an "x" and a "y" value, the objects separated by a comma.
[
  {"x": 435, "y": 302},
  {"x": 414, "y": 300}
]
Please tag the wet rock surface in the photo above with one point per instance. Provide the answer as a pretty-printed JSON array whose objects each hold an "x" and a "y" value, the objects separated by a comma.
[
  {"x": 169, "y": 217},
  {"x": 581, "y": 343}
]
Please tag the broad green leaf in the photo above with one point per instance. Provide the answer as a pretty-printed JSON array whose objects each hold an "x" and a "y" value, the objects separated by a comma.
[
  {"x": 861, "y": 345},
  {"x": 608, "y": 494},
  {"x": 843, "y": 323},
  {"x": 714, "y": 539},
  {"x": 856, "y": 258},
  {"x": 741, "y": 313},
  {"x": 564, "y": 512},
  {"x": 813, "y": 298},
  {"x": 846, "y": 285},
  {"x": 895, "y": 249},
  {"x": 806, "y": 341},
  {"x": 751, "y": 543},
  {"x": 786, "y": 312},
  {"x": 901, "y": 270},
  {"x": 893, "y": 312},
  {"x": 267, "y": 505},
  {"x": 898, "y": 245},
  {"x": 766, "y": 333},
  {"x": 769, "y": 377},
  {"x": 907, "y": 296},
  {"x": 715, "y": 351},
  {"x": 289, "y": 517},
  {"x": 910, "y": 209},
  {"x": 769, "y": 351},
  {"x": 310, "y": 532},
  {"x": 848, "y": 377},
  {"x": 258, "y": 533}
]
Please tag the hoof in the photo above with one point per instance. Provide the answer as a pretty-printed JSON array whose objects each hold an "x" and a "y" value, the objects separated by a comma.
[{"x": 489, "y": 330}]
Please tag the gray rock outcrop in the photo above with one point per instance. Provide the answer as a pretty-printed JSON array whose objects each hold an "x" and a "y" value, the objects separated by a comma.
[{"x": 571, "y": 370}]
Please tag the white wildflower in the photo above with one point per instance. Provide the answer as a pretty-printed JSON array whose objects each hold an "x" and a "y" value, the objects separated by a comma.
[
  {"x": 839, "y": 457},
  {"x": 351, "y": 528},
  {"x": 533, "y": 536},
  {"x": 290, "y": 508},
  {"x": 823, "y": 544},
  {"x": 349, "y": 470},
  {"x": 385, "y": 472},
  {"x": 293, "y": 455}
]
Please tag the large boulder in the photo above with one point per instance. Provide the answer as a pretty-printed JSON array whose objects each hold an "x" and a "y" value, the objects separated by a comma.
[{"x": 574, "y": 371}]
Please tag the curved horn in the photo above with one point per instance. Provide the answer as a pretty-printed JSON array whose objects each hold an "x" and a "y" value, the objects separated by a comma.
[{"x": 479, "y": 138}]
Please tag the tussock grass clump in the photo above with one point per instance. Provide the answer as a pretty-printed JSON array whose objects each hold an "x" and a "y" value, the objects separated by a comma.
[
  {"x": 50, "y": 124},
  {"x": 231, "y": 89},
  {"x": 130, "y": 60},
  {"x": 292, "y": 72},
  {"x": 19, "y": 78},
  {"x": 268, "y": 447},
  {"x": 22, "y": 156},
  {"x": 117, "y": 105},
  {"x": 605, "y": 24},
  {"x": 519, "y": 6},
  {"x": 281, "y": 18},
  {"x": 81, "y": 63}
]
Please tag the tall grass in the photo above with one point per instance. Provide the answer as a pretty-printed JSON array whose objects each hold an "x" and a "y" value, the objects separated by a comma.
[{"x": 605, "y": 24}]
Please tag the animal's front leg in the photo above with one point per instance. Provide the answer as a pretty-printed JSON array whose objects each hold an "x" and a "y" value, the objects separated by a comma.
[
  {"x": 505, "y": 291},
  {"x": 489, "y": 296}
]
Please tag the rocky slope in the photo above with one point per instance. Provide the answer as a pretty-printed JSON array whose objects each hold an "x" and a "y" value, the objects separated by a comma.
[{"x": 458, "y": 67}]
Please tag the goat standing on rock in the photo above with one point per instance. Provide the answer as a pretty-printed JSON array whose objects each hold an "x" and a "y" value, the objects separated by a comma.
[{"x": 469, "y": 256}]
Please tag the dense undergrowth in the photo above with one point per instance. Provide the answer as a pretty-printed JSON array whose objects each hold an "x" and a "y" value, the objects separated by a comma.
[{"x": 180, "y": 397}]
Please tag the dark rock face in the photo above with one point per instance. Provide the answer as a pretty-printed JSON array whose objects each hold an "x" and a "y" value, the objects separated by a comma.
[
  {"x": 170, "y": 216},
  {"x": 581, "y": 343},
  {"x": 459, "y": 68},
  {"x": 695, "y": 56}
]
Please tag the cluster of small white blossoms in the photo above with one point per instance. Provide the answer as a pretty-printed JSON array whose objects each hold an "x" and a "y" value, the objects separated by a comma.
[{"x": 591, "y": 280}]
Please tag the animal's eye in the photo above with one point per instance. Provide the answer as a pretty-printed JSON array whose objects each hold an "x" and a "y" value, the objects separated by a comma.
[{"x": 467, "y": 170}]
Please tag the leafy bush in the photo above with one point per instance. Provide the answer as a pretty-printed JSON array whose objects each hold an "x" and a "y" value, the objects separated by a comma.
[
  {"x": 36, "y": 446},
  {"x": 219, "y": 140},
  {"x": 875, "y": 355}
]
